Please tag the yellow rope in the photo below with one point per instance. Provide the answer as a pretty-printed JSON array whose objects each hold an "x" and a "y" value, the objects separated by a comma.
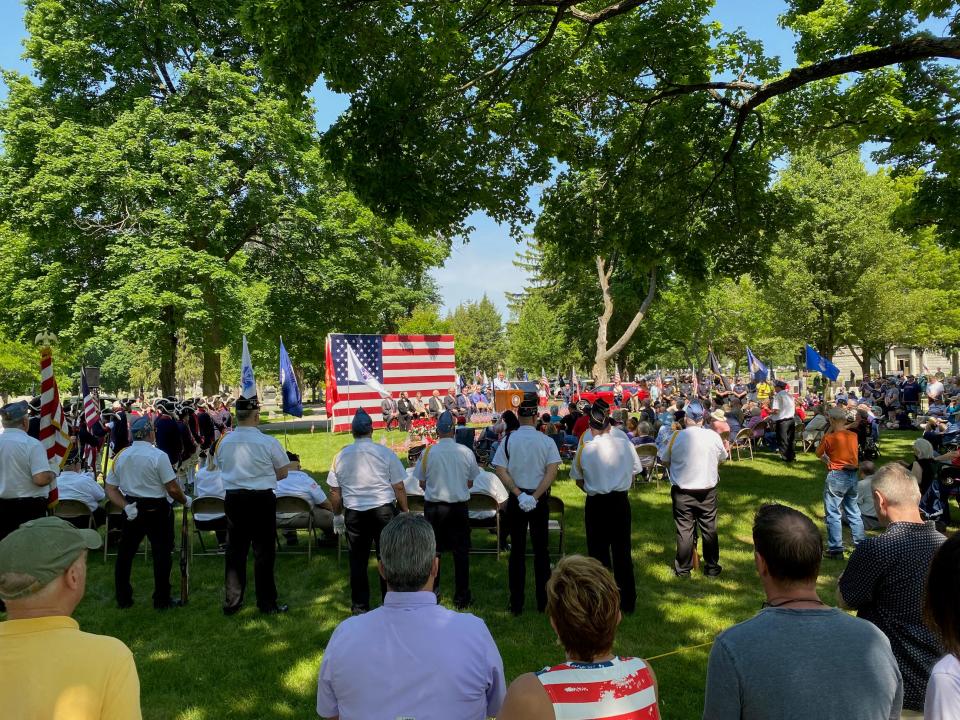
[{"x": 679, "y": 650}]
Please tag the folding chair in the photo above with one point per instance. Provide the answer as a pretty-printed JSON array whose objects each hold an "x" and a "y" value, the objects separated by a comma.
[
  {"x": 556, "y": 522},
  {"x": 297, "y": 506},
  {"x": 744, "y": 439},
  {"x": 73, "y": 510},
  {"x": 649, "y": 450},
  {"x": 206, "y": 505},
  {"x": 481, "y": 502}
]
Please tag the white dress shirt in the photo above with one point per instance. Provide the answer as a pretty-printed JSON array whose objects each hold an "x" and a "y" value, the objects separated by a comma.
[
  {"x": 411, "y": 484},
  {"x": 365, "y": 472},
  {"x": 248, "y": 459},
  {"x": 530, "y": 452},
  {"x": 448, "y": 468},
  {"x": 80, "y": 486},
  {"x": 607, "y": 464},
  {"x": 694, "y": 458},
  {"x": 21, "y": 457},
  {"x": 486, "y": 483},
  {"x": 783, "y": 405},
  {"x": 298, "y": 484},
  {"x": 208, "y": 483},
  {"x": 142, "y": 471}
]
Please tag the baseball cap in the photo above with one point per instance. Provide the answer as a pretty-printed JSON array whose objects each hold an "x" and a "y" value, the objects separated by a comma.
[
  {"x": 695, "y": 411},
  {"x": 15, "y": 411},
  {"x": 362, "y": 423},
  {"x": 445, "y": 423},
  {"x": 42, "y": 549}
]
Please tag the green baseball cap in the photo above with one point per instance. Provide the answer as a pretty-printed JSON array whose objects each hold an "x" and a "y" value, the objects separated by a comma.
[{"x": 42, "y": 549}]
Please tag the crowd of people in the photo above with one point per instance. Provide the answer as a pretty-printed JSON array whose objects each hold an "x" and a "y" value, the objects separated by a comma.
[{"x": 899, "y": 658}]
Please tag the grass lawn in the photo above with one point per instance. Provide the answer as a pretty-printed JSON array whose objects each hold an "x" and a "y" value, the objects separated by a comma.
[{"x": 196, "y": 664}]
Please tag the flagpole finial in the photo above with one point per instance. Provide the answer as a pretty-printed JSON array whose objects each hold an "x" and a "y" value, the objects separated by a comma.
[{"x": 45, "y": 339}]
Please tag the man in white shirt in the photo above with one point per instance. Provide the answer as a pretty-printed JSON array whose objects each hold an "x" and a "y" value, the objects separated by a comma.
[
  {"x": 782, "y": 412},
  {"x": 527, "y": 462},
  {"x": 934, "y": 391},
  {"x": 366, "y": 485},
  {"x": 446, "y": 472},
  {"x": 500, "y": 383},
  {"x": 486, "y": 483},
  {"x": 604, "y": 469},
  {"x": 298, "y": 484},
  {"x": 81, "y": 486},
  {"x": 693, "y": 457},
  {"x": 25, "y": 474}
]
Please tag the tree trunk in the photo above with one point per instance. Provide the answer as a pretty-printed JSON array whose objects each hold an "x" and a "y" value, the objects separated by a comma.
[
  {"x": 212, "y": 342},
  {"x": 168, "y": 360},
  {"x": 604, "y": 353}
]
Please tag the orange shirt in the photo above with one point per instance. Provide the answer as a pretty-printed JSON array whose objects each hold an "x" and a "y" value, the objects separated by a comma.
[{"x": 841, "y": 448}]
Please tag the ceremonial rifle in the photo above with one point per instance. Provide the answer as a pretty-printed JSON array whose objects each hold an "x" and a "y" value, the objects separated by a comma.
[{"x": 185, "y": 557}]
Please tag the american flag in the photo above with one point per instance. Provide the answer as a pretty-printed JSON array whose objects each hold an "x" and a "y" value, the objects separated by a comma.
[
  {"x": 411, "y": 363},
  {"x": 91, "y": 417},
  {"x": 53, "y": 424}
]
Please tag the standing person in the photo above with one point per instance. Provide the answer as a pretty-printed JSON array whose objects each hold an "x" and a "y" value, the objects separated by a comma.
[
  {"x": 49, "y": 668},
  {"x": 167, "y": 432},
  {"x": 783, "y": 412},
  {"x": 189, "y": 444},
  {"x": 883, "y": 578},
  {"x": 206, "y": 428},
  {"x": 25, "y": 473},
  {"x": 446, "y": 473},
  {"x": 391, "y": 412},
  {"x": 693, "y": 456},
  {"x": 797, "y": 657},
  {"x": 584, "y": 608},
  {"x": 500, "y": 382},
  {"x": 431, "y": 663},
  {"x": 838, "y": 450},
  {"x": 941, "y": 610},
  {"x": 119, "y": 428},
  {"x": 604, "y": 469},
  {"x": 526, "y": 463},
  {"x": 366, "y": 485},
  {"x": 250, "y": 465},
  {"x": 934, "y": 390},
  {"x": 140, "y": 481}
]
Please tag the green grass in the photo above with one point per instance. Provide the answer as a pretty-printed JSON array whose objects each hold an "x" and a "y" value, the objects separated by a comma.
[{"x": 196, "y": 664}]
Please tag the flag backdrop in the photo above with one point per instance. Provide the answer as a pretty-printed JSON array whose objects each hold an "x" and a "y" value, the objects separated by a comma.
[{"x": 414, "y": 363}]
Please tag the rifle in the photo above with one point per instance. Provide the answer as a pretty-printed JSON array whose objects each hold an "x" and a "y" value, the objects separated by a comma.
[{"x": 184, "y": 558}]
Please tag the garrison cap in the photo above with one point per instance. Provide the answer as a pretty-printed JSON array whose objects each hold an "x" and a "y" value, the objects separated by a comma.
[
  {"x": 15, "y": 411},
  {"x": 362, "y": 423},
  {"x": 141, "y": 427},
  {"x": 529, "y": 405},
  {"x": 445, "y": 423}
]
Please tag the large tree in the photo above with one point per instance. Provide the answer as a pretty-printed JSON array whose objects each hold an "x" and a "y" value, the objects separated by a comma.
[{"x": 478, "y": 329}]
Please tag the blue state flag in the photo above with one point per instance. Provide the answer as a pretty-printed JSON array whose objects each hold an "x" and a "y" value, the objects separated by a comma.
[
  {"x": 289, "y": 390},
  {"x": 248, "y": 383},
  {"x": 818, "y": 363},
  {"x": 758, "y": 371}
]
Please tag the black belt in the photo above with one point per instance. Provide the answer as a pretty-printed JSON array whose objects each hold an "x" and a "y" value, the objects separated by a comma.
[
  {"x": 21, "y": 501},
  {"x": 443, "y": 502}
]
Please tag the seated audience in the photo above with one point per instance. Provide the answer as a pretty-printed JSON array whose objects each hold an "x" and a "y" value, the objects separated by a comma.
[
  {"x": 583, "y": 605},
  {"x": 83, "y": 487},
  {"x": 718, "y": 423},
  {"x": 208, "y": 483},
  {"x": 48, "y": 667},
  {"x": 298, "y": 484},
  {"x": 797, "y": 657},
  {"x": 941, "y": 609},
  {"x": 883, "y": 578},
  {"x": 410, "y": 658}
]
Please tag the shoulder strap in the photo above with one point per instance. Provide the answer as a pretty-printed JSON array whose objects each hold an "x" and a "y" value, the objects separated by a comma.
[
  {"x": 577, "y": 459},
  {"x": 506, "y": 445},
  {"x": 116, "y": 455},
  {"x": 673, "y": 439},
  {"x": 423, "y": 460}
]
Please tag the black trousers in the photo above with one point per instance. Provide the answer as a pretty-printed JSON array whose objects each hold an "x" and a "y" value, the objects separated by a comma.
[
  {"x": 786, "y": 433},
  {"x": 363, "y": 529},
  {"x": 403, "y": 421},
  {"x": 607, "y": 523},
  {"x": 695, "y": 509},
  {"x": 451, "y": 526},
  {"x": 16, "y": 511},
  {"x": 155, "y": 522},
  {"x": 252, "y": 520},
  {"x": 518, "y": 521},
  {"x": 393, "y": 420}
]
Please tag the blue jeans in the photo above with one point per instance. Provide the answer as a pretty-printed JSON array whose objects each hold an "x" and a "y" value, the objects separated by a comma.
[{"x": 841, "y": 489}]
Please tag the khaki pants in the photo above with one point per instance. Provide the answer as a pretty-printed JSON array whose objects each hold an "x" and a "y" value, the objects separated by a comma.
[{"x": 911, "y": 714}]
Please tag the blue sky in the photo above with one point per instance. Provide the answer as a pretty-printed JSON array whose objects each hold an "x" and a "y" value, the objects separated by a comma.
[{"x": 491, "y": 250}]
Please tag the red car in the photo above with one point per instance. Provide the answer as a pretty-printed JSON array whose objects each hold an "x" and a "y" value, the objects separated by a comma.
[{"x": 605, "y": 391}]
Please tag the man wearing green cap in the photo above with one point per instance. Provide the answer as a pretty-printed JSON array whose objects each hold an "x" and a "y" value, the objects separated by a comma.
[{"x": 48, "y": 667}]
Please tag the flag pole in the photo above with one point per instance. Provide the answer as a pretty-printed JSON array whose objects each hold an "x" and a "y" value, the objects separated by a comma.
[{"x": 283, "y": 410}]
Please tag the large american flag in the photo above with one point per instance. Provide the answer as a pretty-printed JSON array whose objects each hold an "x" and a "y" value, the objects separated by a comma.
[{"x": 411, "y": 363}]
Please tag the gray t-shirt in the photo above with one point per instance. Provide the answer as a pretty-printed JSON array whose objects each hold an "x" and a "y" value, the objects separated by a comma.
[{"x": 785, "y": 664}]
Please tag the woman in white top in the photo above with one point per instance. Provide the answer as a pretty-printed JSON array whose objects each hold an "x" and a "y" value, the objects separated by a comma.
[{"x": 942, "y": 612}]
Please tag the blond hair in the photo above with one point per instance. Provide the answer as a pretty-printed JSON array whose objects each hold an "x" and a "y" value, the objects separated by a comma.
[{"x": 584, "y": 603}]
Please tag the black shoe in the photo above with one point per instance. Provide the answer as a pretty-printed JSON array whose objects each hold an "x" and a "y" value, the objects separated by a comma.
[
  {"x": 169, "y": 604},
  {"x": 834, "y": 554},
  {"x": 232, "y": 609},
  {"x": 125, "y": 605},
  {"x": 685, "y": 575},
  {"x": 462, "y": 604},
  {"x": 275, "y": 610},
  {"x": 713, "y": 572}
]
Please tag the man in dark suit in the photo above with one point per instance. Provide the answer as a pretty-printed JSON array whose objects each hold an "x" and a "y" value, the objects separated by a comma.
[
  {"x": 391, "y": 412},
  {"x": 405, "y": 410}
]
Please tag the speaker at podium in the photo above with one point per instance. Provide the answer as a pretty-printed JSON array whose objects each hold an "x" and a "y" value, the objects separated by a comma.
[{"x": 507, "y": 399}]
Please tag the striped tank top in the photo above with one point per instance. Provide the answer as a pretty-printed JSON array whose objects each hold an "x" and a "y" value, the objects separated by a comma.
[{"x": 619, "y": 689}]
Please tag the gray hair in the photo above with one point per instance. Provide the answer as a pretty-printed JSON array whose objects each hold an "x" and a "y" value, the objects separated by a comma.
[
  {"x": 407, "y": 550},
  {"x": 897, "y": 485}
]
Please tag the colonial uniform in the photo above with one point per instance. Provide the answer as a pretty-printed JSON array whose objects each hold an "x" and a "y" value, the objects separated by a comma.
[
  {"x": 605, "y": 468},
  {"x": 248, "y": 461},
  {"x": 526, "y": 454},
  {"x": 21, "y": 458},
  {"x": 367, "y": 475},
  {"x": 143, "y": 472},
  {"x": 448, "y": 470}
]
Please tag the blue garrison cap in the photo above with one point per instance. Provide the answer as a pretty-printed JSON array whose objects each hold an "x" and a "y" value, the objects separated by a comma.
[
  {"x": 695, "y": 411},
  {"x": 362, "y": 423},
  {"x": 141, "y": 426},
  {"x": 15, "y": 411},
  {"x": 446, "y": 422}
]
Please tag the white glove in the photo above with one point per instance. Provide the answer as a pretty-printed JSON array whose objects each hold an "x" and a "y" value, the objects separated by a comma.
[
  {"x": 527, "y": 502},
  {"x": 189, "y": 503},
  {"x": 130, "y": 510},
  {"x": 339, "y": 525}
]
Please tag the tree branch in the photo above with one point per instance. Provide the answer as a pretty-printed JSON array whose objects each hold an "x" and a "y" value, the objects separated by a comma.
[{"x": 641, "y": 313}]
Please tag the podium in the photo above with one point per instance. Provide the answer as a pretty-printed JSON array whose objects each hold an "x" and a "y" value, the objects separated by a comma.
[{"x": 507, "y": 400}]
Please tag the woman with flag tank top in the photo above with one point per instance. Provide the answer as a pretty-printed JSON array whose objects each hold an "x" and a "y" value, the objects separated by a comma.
[{"x": 583, "y": 604}]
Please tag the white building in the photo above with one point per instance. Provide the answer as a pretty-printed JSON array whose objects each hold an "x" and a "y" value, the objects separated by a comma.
[{"x": 906, "y": 360}]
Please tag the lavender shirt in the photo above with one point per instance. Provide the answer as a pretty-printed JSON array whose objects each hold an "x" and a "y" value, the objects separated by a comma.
[{"x": 411, "y": 659}]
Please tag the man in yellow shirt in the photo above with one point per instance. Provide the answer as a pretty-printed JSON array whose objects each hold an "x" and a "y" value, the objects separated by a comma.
[
  {"x": 764, "y": 391},
  {"x": 49, "y": 668}
]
